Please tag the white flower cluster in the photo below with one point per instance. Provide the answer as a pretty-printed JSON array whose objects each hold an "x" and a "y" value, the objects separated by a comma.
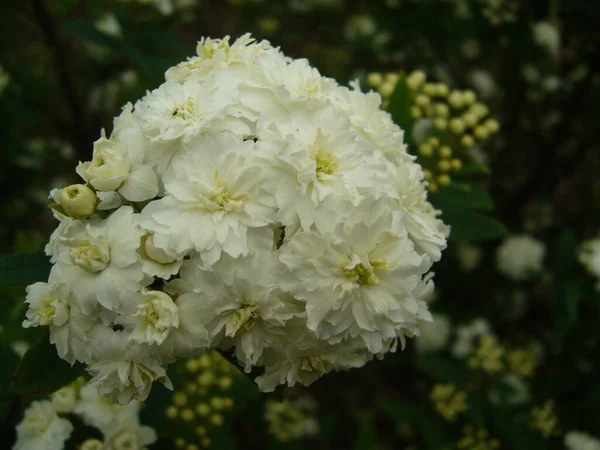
[
  {"x": 247, "y": 204},
  {"x": 578, "y": 440},
  {"x": 44, "y": 427},
  {"x": 589, "y": 256},
  {"x": 520, "y": 257}
]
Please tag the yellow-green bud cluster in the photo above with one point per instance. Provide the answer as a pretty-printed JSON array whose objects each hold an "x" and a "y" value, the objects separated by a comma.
[
  {"x": 488, "y": 356},
  {"x": 477, "y": 440},
  {"x": 459, "y": 121},
  {"x": 289, "y": 420},
  {"x": 545, "y": 419},
  {"x": 203, "y": 401},
  {"x": 522, "y": 362},
  {"x": 448, "y": 401}
]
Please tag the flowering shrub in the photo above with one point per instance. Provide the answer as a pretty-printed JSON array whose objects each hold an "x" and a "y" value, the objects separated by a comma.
[{"x": 248, "y": 203}]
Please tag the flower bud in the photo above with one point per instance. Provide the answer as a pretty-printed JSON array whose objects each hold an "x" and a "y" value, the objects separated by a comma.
[
  {"x": 469, "y": 119},
  {"x": 392, "y": 78},
  {"x": 444, "y": 165},
  {"x": 456, "y": 164},
  {"x": 481, "y": 133},
  {"x": 440, "y": 123},
  {"x": 456, "y": 99},
  {"x": 77, "y": 200},
  {"x": 441, "y": 90},
  {"x": 469, "y": 97},
  {"x": 387, "y": 89},
  {"x": 415, "y": 112},
  {"x": 457, "y": 126},
  {"x": 415, "y": 80},
  {"x": 443, "y": 180},
  {"x": 445, "y": 152},
  {"x": 374, "y": 79},
  {"x": 492, "y": 125},
  {"x": 422, "y": 100},
  {"x": 467, "y": 141},
  {"x": 425, "y": 150}
]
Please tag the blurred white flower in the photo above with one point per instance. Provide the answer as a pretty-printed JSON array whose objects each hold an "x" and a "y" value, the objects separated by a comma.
[
  {"x": 520, "y": 257},
  {"x": 579, "y": 440},
  {"x": 42, "y": 428}
]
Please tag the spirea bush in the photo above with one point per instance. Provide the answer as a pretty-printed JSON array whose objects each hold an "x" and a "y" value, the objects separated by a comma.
[{"x": 247, "y": 204}]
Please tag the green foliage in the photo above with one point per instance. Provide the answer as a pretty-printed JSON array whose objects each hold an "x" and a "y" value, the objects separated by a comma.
[
  {"x": 399, "y": 106},
  {"x": 464, "y": 207},
  {"x": 24, "y": 268},
  {"x": 41, "y": 371}
]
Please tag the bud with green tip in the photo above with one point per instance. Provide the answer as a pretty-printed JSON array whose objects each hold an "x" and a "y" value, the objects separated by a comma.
[{"x": 77, "y": 200}]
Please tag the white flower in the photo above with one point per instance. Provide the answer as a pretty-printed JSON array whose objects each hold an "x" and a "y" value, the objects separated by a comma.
[
  {"x": 77, "y": 200},
  {"x": 130, "y": 436},
  {"x": 359, "y": 278},
  {"x": 65, "y": 399},
  {"x": 153, "y": 315},
  {"x": 579, "y": 440},
  {"x": 240, "y": 304},
  {"x": 547, "y": 36},
  {"x": 118, "y": 165},
  {"x": 466, "y": 335},
  {"x": 213, "y": 202},
  {"x": 589, "y": 256},
  {"x": 155, "y": 261},
  {"x": 92, "y": 444},
  {"x": 42, "y": 428},
  {"x": 52, "y": 304},
  {"x": 434, "y": 336},
  {"x": 99, "y": 260},
  {"x": 123, "y": 372},
  {"x": 100, "y": 412},
  {"x": 308, "y": 360},
  {"x": 521, "y": 256}
]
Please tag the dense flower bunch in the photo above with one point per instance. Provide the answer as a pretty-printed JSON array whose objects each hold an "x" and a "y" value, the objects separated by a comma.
[{"x": 247, "y": 204}]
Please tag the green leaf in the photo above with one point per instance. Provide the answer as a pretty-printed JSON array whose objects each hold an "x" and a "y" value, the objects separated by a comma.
[
  {"x": 572, "y": 297},
  {"x": 399, "y": 107},
  {"x": 92, "y": 35},
  {"x": 23, "y": 268},
  {"x": 460, "y": 204},
  {"x": 365, "y": 438},
  {"x": 41, "y": 372}
]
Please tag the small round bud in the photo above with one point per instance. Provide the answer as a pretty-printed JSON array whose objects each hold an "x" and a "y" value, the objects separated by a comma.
[
  {"x": 445, "y": 152},
  {"x": 456, "y": 126},
  {"x": 203, "y": 409},
  {"x": 225, "y": 383},
  {"x": 200, "y": 431},
  {"x": 77, "y": 200},
  {"x": 440, "y": 123},
  {"x": 481, "y": 133},
  {"x": 422, "y": 100},
  {"x": 374, "y": 79},
  {"x": 191, "y": 388},
  {"x": 492, "y": 126},
  {"x": 433, "y": 188},
  {"x": 425, "y": 150},
  {"x": 434, "y": 142},
  {"x": 467, "y": 141},
  {"x": 441, "y": 109},
  {"x": 192, "y": 447},
  {"x": 469, "y": 97},
  {"x": 205, "y": 379},
  {"x": 191, "y": 365},
  {"x": 154, "y": 253},
  {"x": 456, "y": 164},
  {"x": 415, "y": 112},
  {"x": 444, "y": 165},
  {"x": 228, "y": 402},
  {"x": 179, "y": 398},
  {"x": 469, "y": 119},
  {"x": 443, "y": 180},
  {"x": 387, "y": 89},
  {"x": 415, "y": 80},
  {"x": 429, "y": 89},
  {"x": 216, "y": 420},
  {"x": 205, "y": 442},
  {"x": 171, "y": 412},
  {"x": 217, "y": 403},
  {"x": 455, "y": 99},
  {"x": 479, "y": 110},
  {"x": 427, "y": 174},
  {"x": 441, "y": 90},
  {"x": 187, "y": 415},
  {"x": 179, "y": 443},
  {"x": 392, "y": 78}
]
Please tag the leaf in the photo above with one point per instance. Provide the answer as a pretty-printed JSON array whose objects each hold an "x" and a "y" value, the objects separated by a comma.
[
  {"x": 365, "y": 438},
  {"x": 41, "y": 372},
  {"x": 460, "y": 204},
  {"x": 399, "y": 106},
  {"x": 92, "y": 35},
  {"x": 23, "y": 268}
]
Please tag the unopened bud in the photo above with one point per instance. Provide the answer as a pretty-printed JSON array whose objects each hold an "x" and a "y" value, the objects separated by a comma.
[
  {"x": 156, "y": 254},
  {"x": 77, "y": 200}
]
